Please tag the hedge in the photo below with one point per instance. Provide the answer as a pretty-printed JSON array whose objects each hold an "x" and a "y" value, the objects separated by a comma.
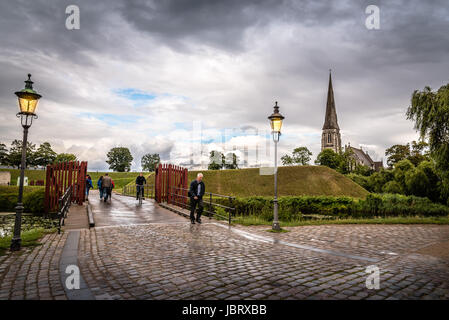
[
  {"x": 374, "y": 205},
  {"x": 33, "y": 201}
]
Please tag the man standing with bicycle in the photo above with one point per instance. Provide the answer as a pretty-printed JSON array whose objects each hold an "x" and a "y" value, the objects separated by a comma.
[
  {"x": 140, "y": 182},
  {"x": 196, "y": 193}
]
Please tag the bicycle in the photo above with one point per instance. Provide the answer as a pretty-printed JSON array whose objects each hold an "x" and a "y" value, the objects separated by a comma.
[{"x": 139, "y": 190}]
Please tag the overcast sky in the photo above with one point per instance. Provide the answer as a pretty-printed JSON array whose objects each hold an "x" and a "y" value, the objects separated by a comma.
[{"x": 181, "y": 78}]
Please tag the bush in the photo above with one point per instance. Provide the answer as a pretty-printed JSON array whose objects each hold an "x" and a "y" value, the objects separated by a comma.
[
  {"x": 33, "y": 200},
  {"x": 293, "y": 208},
  {"x": 392, "y": 187},
  {"x": 8, "y": 202}
]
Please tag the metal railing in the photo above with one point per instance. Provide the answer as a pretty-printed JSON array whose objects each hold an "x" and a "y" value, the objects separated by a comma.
[
  {"x": 63, "y": 207},
  {"x": 131, "y": 190},
  {"x": 179, "y": 196}
]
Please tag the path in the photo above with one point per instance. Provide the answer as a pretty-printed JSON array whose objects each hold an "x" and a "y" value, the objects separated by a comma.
[
  {"x": 126, "y": 211},
  {"x": 151, "y": 253}
]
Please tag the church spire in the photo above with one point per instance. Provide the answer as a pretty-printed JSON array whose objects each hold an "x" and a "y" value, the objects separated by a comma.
[{"x": 330, "y": 122}]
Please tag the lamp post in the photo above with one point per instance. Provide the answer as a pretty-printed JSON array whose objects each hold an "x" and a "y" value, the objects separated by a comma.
[
  {"x": 276, "y": 125},
  {"x": 28, "y": 99}
]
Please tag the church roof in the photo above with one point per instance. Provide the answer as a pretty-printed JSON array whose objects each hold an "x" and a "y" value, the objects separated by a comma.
[
  {"x": 362, "y": 156},
  {"x": 330, "y": 122}
]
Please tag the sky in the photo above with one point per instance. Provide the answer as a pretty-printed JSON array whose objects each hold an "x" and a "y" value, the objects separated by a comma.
[{"x": 181, "y": 78}]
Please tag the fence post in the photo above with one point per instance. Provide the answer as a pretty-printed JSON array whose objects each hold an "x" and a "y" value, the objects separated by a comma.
[
  {"x": 47, "y": 189},
  {"x": 230, "y": 210},
  {"x": 210, "y": 205}
]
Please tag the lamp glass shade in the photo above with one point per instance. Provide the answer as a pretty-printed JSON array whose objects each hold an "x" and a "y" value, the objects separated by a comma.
[
  {"x": 28, "y": 102},
  {"x": 276, "y": 124}
]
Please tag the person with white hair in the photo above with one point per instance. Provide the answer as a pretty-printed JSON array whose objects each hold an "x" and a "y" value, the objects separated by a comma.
[{"x": 196, "y": 192}]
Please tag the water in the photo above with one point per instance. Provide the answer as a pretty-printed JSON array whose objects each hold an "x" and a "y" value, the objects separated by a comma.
[{"x": 28, "y": 222}]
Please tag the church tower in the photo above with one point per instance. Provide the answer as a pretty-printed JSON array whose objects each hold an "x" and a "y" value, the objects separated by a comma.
[{"x": 331, "y": 138}]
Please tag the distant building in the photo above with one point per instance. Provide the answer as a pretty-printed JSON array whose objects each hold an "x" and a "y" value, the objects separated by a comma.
[
  {"x": 5, "y": 178},
  {"x": 361, "y": 157},
  {"x": 331, "y": 138}
]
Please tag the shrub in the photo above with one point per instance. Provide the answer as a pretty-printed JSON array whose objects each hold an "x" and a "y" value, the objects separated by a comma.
[
  {"x": 392, "y": 187},
  {"x": 293, "y": 208},
  {"x": 34, "y": 202}
]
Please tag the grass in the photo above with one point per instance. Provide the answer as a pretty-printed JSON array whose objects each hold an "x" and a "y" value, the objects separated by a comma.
[
  {"x": 29, "y": 239},
  {"x": 254, "y": 220},
  {"x": 31, "y": 174},
  {"x": 15, "y": 189},
  {"x": 292, "y": 181},
  {"x": 120, "y": 178}
]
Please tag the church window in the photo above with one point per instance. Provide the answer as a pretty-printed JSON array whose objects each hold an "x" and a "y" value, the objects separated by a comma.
[{"x": 328, "y": 138}]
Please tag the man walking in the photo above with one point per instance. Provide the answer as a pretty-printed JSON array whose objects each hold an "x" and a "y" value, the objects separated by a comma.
[
  {"x": 140, "y": 182},
  {"x": 196, "y": 193},
  {"x": 106, "y": 184}
]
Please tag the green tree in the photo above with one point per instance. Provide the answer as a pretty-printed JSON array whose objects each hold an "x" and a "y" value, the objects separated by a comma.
[
  {"x": 433, "y": 189},
  {"x": 397, "y": 153},
  {"x": 392, "y": 187},
  {"x": 231, "y": 160},
  {"x": 65, "y": 157},
  {"x": 378, "y": 179},
  {"x": 419, "y": 152},
  {"x": 287, "y": 160},
  {"x": 150, "y": 162},
  {"x": 416, "y": 182},
  {"x": 430, "y": 112},
  {"x": 347, "y": 162},
  {"x": 216, "y": 160},
  {"x": 363, "y": 170},
  {"x": 400, "y": 171},
  {"x": 300, "y": 156},
  {"x": 3, "y": 154},
  {"x": 15, "y": 154},
  {"x": 328, "y": 158},
  {"x": 119, "y": 159},
  {"x": 44, "y": 155}
]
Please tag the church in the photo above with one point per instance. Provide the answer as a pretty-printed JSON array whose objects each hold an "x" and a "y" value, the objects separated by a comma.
[{"x": 331, "y": 138}]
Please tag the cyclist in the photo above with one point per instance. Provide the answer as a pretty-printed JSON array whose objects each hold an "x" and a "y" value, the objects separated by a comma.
[{"x": 140, "y": 182}]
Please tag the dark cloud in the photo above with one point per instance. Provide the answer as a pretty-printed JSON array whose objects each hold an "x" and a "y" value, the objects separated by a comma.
[{"x": 278, "y": 50}]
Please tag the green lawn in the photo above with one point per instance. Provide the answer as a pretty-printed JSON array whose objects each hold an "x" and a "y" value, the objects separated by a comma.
[
  {"x": 31, "y": 174},
  {"x": 120, "y": 178},
  {"x": 294, "y": 180},
  {"x": 29, "y": 238}
]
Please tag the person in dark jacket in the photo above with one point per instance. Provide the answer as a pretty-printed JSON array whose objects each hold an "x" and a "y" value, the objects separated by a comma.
[
  {"x": 140, "y": 182},
  {"x": 88, "y": 185},
  {"x": 196, "y": 192},
  {"x": 107, "y": 186},
  {"x": 100, "y": 188}
]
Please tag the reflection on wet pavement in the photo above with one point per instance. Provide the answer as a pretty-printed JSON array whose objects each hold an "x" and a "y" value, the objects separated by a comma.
[{"x": 122, "y": 210}]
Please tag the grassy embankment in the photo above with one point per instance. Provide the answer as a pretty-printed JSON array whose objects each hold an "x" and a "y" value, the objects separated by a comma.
[
  {"x": 120, "y": 178},
  {"x": 292, "y": 181}
]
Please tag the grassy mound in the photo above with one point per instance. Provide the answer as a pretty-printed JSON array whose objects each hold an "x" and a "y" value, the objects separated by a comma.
[{"x": 292, "y": 181}]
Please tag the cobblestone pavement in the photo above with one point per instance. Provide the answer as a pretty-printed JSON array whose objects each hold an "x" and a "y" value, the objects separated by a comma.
[
  {"x": 123, "y": 210},
  {"x": 33, "y": 273},
  {"x": 177, "y": 260}
]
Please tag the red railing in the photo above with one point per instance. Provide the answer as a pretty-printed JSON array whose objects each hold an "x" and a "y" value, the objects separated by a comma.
[
  {"x": 169, "y": 176},
  {"x": 59, "y": 177}
]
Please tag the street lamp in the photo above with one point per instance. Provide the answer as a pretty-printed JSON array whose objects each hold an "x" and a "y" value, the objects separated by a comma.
[
  {"x": 28, "y": 99},
  {"x": 276, "y": 125}
]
